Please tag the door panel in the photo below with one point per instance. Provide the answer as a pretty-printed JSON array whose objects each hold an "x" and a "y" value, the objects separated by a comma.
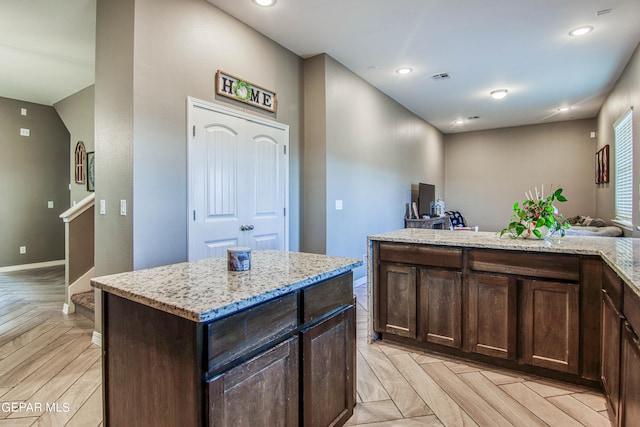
[{"x": 238, "y": 182}]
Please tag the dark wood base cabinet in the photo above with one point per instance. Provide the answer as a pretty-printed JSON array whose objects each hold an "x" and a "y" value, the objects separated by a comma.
[
  {"x": 289, "y": 361},
  {"x": 515, "y": 309}
]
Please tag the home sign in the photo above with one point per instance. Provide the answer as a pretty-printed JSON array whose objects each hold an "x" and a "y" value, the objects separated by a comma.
[{"x": 243, "y": 91}]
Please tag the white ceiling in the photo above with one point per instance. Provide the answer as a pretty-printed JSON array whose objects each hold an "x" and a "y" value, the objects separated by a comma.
[
  {"x": 521, "y": 45},
  {"x": 47, "y": 50}
]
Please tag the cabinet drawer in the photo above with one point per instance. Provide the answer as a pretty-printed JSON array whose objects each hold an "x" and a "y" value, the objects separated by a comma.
[
  {"x": 326, "y": 296},
  {"x": 434, "y": 256},
  {"x": 561, "y": 267},
  {"x": 239, "y": 334},
  {"x": 612, "y": 286}
]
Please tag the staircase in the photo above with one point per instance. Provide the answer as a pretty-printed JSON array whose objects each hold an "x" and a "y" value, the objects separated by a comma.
[{"x": 84, "y": 304}]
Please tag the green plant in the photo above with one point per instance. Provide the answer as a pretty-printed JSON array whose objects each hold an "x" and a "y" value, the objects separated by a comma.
[{"x": 535, "y": 214}]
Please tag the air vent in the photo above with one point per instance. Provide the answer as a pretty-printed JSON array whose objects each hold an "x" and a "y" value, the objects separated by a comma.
[
  {"x": 440, "y": 76},
  {"x": 473, "y": 117},
  {"x": 603, "y": 12}
]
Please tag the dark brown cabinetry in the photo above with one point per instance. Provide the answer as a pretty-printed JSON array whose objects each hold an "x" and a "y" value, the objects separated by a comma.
[
  {"x": 612, "y": 322},
  {"x": 630, "y": 378},
  {"x": 272, "y": 382},
  {"x": 550, "y": 325},
  {"x": 328, "y": 369},
  {"x": 440, "y": 306},
  {"x": 397, "y": 291},
  {"x": 492, "y": 311},
  {"x": 517, "y": 309},
  {"x": 289, "y": 361}
]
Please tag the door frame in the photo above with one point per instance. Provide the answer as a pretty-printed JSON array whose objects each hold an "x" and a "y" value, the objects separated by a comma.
[{"x": 193, "y": 103}]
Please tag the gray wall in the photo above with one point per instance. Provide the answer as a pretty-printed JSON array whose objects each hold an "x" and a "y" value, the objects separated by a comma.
[
  {"x": 33, "y": 171},
  {"x": 76, "y": 111},
  {"x": 488, "y": 171},
  {"x": 625, "y": 94},
  {"x": 152, "y": 55},
  {"x": 374, "y": 150}
]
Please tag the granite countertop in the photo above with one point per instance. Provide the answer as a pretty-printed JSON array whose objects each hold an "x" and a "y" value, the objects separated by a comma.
[
  {"x": 204, "y": 290},
  {"x": 621, "y": 253}
]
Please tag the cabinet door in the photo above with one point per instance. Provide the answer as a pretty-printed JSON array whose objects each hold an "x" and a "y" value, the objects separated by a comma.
[
  {"x": 262, "y": 391},
  {"x": 551, "y": 318},
  {"x": 610, "y": 356},
  {"x": 440, "y": 307},
  {"x": 328, "y": 370},
  {"x": 492, "y": 315},
  {"x": 397, "y": 305},
  {"x": 630, "y": 379}
]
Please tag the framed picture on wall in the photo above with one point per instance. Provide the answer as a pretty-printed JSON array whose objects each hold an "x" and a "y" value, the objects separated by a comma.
[
  {"x": 602, "y": 165},
  {"x": 91, "y": 171}
]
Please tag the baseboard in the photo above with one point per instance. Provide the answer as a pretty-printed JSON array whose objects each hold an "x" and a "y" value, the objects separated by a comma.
[
  {"x": 35, "y": 265},
  {"x": 68, "y": 308},
  {"x": 96, "y": 338}
]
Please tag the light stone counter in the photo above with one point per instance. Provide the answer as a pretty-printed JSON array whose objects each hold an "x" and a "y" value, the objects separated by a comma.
[
  {"x": 622, "y": 254},
  {"x": 204, "y": 290}
]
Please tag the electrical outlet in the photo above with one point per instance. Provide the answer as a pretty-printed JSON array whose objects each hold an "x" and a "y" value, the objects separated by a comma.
[
  {"x": 103, "y": 207},
  {"x": 23, "y": 111},
  {"x": 23, "y": 250},
  {"x": 123, "y": 207},
  {"x": 25, "y": 132},
  {"x": 50, "y": 204},
  {"x": 338, "y": 205}
]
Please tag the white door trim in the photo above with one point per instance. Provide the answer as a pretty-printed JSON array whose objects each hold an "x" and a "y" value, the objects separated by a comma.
[{"x": 193, "y": 103}]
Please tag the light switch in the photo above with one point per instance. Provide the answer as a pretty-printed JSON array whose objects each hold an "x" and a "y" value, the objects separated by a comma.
[
  {"x": 23, "y": 250},
  {"x": 103, "y": 207},
  {"x": 25, "y": 132},
  {"x": 50, "y": 204},
  {"x": 338, "y": 205},
  {"x": 123, "y": 207}
]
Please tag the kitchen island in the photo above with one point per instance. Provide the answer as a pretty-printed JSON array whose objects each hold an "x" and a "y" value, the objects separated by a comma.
[
  {"x": 193, "y": 344},
  {"x": 568, "y": 310}
]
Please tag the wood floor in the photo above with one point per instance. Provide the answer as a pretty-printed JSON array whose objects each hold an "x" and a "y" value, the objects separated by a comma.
[{"x": 48, "y": 363}]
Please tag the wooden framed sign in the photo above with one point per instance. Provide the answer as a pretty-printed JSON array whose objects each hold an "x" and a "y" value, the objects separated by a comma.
[{"x": 244, "y": 91}]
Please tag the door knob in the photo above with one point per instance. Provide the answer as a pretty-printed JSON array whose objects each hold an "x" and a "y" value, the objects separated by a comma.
[{"x": 246, "y": 227}]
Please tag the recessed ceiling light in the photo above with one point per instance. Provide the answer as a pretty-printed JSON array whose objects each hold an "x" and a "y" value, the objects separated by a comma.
[
  {"x": 581, "y": 31},
  {"x": 404, "y": 70},
  {"x": 563, "y": 109},
  {"x": 459, "y": 122},
  {"x": 265, "y": 3},
  {"x": 499, "y": 93}
]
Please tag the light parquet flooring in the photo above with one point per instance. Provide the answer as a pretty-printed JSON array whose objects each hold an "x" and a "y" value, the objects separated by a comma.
[
  {"x": 47, "y": 358},
  {"x": 50, "y": 372}
]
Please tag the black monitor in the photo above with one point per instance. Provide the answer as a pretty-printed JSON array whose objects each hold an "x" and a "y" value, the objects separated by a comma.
[{"x": 426, "y": 195}]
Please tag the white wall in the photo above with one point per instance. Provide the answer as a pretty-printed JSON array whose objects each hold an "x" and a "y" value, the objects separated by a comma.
[
  {"x": 624, "y": 95},
  {"x": 486, "y": 172},
  {"x": 177, "y": 47},
  {"x": 374, "y": 150},
  {"x": 76, "y": 111}
]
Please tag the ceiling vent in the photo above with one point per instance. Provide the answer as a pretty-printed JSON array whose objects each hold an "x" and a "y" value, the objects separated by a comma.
[
  {"x": 440, "y": 76},
  {"x": 473, "y": 117},
  {"x": 603, "y": 12}
]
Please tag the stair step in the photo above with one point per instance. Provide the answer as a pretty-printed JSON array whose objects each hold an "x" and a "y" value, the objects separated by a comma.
[{"x": 85, "y": 304}]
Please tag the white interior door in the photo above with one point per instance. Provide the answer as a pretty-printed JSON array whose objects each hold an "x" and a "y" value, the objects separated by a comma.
[{"x": 238, "y": 169}]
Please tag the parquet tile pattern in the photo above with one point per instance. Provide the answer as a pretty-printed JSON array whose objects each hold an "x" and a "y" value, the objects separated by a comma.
[{"x": 47, "y": 358}]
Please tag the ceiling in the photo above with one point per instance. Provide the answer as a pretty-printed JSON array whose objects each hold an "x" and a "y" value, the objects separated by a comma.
[
  {"x": 47, "y": 50},
  {"x": 520, "y": 45}
]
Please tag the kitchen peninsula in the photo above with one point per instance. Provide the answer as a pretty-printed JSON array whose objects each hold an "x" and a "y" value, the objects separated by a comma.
[
  {"x": 193, "y": 344},
  {"x": 567, "y": 310}
]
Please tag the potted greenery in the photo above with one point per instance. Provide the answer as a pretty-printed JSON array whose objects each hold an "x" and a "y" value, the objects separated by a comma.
[{"x": 537, "y": 216}]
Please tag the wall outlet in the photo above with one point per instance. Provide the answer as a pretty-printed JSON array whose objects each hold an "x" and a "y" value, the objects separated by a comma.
[
  {"x": 23, "y": 250},
  {"x": 25, "y": 132},
  {"x": 23, "y": 111},
  {"x": 50, "y": 204},
  {"x": 123, "y": 207},
  {"x": 103, "y": 207},
  {"x": 338, "y": 205}
]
